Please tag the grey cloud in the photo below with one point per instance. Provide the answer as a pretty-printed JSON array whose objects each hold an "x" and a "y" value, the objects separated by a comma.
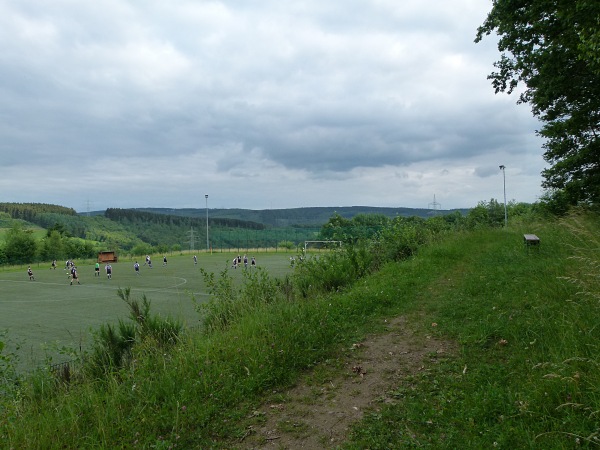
[{"x": 316, "y": 88}]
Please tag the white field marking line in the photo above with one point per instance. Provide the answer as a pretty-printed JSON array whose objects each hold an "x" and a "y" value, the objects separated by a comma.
[
  {"x": 176, "y": 285},
  {"x": 87, "y": 285},
  {"x": 184, "y": 281},
  {"x": 63, "y": 299},
  {"x": 184, "y": 293}
]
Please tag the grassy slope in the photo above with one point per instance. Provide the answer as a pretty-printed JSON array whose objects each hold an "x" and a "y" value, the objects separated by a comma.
[
  {"x": 38, "y": 232},
  {"x": 526, "y": 374}
]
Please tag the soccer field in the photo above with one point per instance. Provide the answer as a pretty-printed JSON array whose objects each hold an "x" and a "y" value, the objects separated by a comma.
[{"x": 47, "y": 314}]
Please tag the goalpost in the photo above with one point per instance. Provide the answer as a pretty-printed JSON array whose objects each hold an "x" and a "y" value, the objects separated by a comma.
[{"x": 321, "y": 245}]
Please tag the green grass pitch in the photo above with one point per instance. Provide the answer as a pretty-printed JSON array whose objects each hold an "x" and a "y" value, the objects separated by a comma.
[{"x": 42, "y": 316}]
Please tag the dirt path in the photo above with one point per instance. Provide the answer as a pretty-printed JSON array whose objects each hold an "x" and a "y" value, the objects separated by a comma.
[{"x": 317, "y": 413}]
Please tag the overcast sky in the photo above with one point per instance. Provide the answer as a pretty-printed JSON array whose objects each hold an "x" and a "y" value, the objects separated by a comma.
[{"x": 261, "y": 105}]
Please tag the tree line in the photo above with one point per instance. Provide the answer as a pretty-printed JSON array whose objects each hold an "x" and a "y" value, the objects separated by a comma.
[
  {"x": 137, "y": 216},
  {"x": 22, "y": 247},
  {"x": 372, "y": 226},
  {"x": 30, "y": 211}
]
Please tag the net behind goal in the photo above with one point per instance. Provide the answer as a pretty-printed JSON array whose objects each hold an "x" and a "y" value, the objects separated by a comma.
[{"x": 321, "y": 245}]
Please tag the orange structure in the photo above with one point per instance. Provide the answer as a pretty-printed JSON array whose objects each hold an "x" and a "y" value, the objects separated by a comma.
[{"x": 107, "y": 257}]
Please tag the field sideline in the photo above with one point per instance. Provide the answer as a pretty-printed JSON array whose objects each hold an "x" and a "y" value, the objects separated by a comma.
[{"x": 45, "y": 315}]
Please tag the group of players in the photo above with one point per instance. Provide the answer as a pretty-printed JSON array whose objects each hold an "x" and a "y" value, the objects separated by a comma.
[
  {"x": 136, "y": 265},
  {"x": 237, "y": 261},
  {"x": 73, "y": 275},
  {"x": 148, "y": 262},
  {"x": 71, "y": 271}
]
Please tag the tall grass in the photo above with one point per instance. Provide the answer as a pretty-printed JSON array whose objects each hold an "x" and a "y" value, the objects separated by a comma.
[
  {"x": 9, "y": 377},
  {"x": 527, "y": 320},
  {"x": 228, "y": 302}
]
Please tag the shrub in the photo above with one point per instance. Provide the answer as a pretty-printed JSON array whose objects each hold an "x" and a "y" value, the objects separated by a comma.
[
  {"x": 113, "y": 345},
  {"x": 228, "y": 303},
  {"x": 328, "y": 272},
  {"x": 401, "y": 239},
  {"x": 288, "y": 245}
]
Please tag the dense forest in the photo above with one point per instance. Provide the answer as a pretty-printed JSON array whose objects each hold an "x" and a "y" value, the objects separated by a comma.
[
  {"x": 139, "y": 216},
  {"x": 29, "y": 211},
  {"x": 297, "y": 217}
]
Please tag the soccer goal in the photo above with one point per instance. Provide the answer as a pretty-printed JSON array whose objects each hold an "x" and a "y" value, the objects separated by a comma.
[{"x": 321, "y": 245}]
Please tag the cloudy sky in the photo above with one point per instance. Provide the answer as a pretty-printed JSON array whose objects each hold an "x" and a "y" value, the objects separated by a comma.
[{"x": 260, "y": 105}]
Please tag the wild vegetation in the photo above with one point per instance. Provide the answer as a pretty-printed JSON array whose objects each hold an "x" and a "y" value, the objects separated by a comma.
[
  {"x": 549, "y": 55},
  {"x": 524, "y": 320}
]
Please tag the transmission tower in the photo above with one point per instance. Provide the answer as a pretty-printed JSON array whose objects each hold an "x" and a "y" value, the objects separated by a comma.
[
  {"x": 191, "y": 238},
  {"x": 435, "y": 207}
]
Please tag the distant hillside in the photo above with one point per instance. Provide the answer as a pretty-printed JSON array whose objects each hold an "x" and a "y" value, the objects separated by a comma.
[
  {"x": 125, "y": 229},
  {"x": 29, "y": 211},
  {"x": 310, "y": 216},
  {"x": 148, "y": 217}
]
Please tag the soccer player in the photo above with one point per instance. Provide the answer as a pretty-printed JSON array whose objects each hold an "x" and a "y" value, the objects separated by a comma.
[
  {"x": 30, "y": 273},
  {"x": 136, "y": 267},
  {"x": 108, "y": 269},
  {"x": 74, "y": 275},
  {"x": 97, "y": 270},
  {"x": 165, "y": 260}
]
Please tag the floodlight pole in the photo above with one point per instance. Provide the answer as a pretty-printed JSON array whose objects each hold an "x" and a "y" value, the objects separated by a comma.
[
  {"x": 206, "y": 198},
  {"x": 502, "y": 168}
]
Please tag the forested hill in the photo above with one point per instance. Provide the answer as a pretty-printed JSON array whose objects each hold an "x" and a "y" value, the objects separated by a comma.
[
  {"x": 29, "y": 211},
  {"x": 46, "y": 216},
  {"x": 133, "y": 216},
  {"x": 309, "y": 216}
]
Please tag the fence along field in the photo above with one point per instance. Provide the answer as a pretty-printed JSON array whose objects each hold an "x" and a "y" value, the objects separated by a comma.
[{"x": 46, "y": 317}]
